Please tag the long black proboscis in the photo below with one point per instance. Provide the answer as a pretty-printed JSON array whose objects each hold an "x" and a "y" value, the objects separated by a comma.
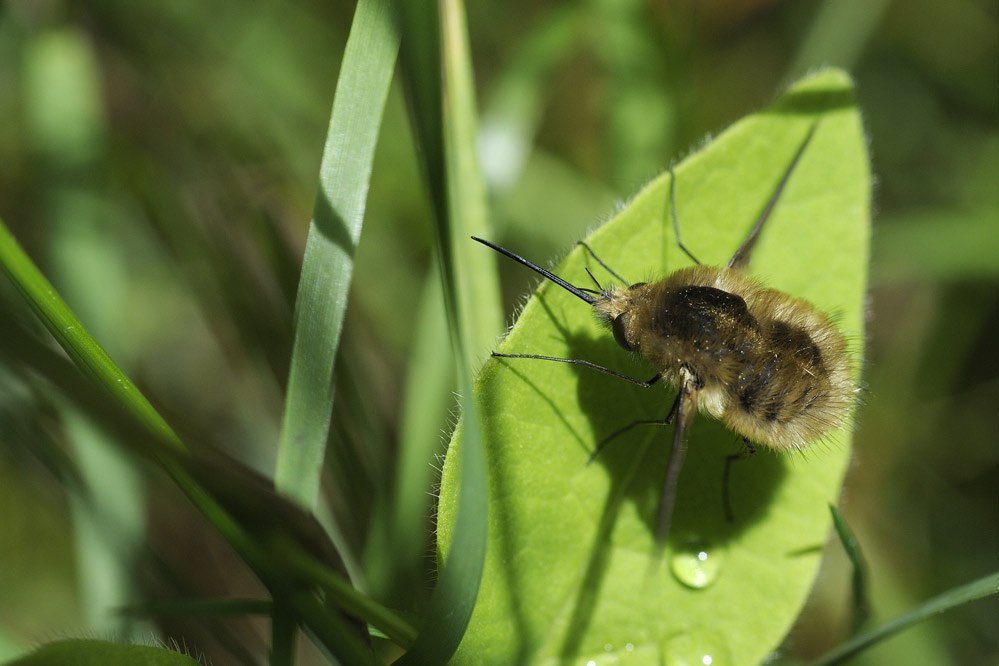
[{"x": 537, "y": 269}]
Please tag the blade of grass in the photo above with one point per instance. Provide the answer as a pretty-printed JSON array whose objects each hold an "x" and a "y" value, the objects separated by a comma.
[
  {"x": 861, "y": 600},
  {"x": 349, "y": 599},
  {"x": 265, "y": 551},
  {"x": 365, "y": 75},
  {"x": 330, "y": 631},
  {"x": 476, "y": 282},
  {"x": 81, "y": 347},
  {"x": 982, "y": 587},
  {"x": 445, "y": 121},
  {"x": 444, "y": 118},
  {"x": 163, "y": 445}
]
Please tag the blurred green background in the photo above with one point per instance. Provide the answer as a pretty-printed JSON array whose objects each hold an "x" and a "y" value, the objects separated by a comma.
[{"x": 159, "y": 161}]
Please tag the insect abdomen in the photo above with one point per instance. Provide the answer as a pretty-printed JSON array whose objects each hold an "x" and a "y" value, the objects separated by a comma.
[{"x": 797, "y": 387}]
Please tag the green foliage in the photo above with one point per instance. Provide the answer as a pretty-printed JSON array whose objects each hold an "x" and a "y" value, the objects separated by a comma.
[{"x": 570, "y": 564}]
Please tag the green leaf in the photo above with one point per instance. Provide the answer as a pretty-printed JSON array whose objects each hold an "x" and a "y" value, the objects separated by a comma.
[
  {"x": 99, "y": 653},
  {"x": 571, "y": 574}
]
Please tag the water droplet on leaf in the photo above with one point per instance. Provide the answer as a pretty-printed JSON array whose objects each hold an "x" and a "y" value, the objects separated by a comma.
[{"x": 695, "y": 564}]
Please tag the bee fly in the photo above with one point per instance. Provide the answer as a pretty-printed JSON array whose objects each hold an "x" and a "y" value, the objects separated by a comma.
[{"x": 770, "y": 366}]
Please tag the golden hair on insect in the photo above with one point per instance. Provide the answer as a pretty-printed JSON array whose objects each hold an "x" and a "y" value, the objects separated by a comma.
[{"x": 771, "y": 367}]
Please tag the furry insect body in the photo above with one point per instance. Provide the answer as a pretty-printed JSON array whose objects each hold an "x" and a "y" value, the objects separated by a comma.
[{"x": 771, "y": 367}]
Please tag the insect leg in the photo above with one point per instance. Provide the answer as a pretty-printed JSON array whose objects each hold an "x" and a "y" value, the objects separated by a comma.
[
  {"x": 747, "y": 451},
  {"x": 685, "y": 409},
  {"x": 587, "y": 364},
  {"x": 672, "y": 210},
  {"x": 600, "y": 261},
  {"x": 614, "y": 435},
  {"x": 740, "y": 259}
]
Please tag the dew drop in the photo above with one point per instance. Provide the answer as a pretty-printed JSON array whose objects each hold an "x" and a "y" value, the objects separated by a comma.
[{"x": 695, "y": 564}]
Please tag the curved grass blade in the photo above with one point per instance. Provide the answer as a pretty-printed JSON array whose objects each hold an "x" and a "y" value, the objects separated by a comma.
[
  {"x": 81, "y": 347},
  {"x": 978, "y": 589},
  {"x": 365, "y": 75},
  {"x": 444, "y": 118},
  {"x": 861, "y": 601}
]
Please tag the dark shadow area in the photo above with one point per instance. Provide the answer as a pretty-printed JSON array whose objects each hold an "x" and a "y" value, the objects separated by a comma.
[
  {"x": 593, "y": 573},
  {"x": 333, "y": 227},
  {"x": 611, "y": 404}
]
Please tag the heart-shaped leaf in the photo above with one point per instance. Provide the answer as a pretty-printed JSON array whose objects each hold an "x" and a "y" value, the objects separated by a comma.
[{"x": 571, "y": 571}]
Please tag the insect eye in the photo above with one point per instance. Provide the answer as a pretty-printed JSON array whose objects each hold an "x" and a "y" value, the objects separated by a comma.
[{"x": 620, "y": 327}]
